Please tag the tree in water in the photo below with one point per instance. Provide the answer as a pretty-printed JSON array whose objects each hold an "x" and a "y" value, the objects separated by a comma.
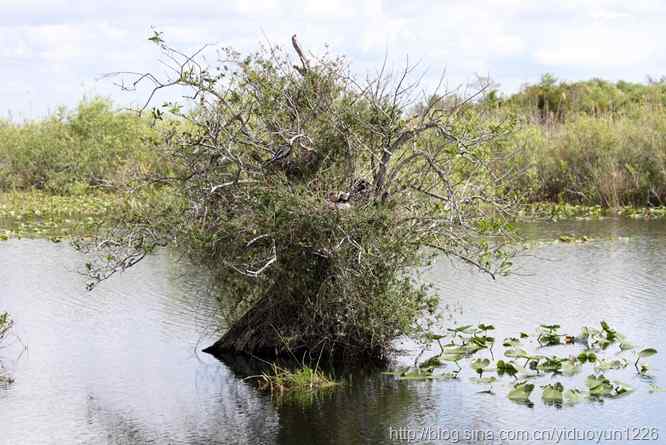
[{"x": 313, "y": 198}]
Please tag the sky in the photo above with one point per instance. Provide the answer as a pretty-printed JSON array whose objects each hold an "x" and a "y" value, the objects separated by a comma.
[{"x": 54, "y": 52}]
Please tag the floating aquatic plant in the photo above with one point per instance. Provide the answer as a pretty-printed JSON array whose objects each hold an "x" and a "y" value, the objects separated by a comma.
[
  {"x": 645, "y": 353},
  {"x": 468, "y": 342},
  {"x": 521, "y": 393}
]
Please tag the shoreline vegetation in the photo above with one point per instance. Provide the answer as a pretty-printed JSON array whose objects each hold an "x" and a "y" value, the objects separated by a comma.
[
  {"x": 39, "y": 214},
  {"x": 588, "y": 150},
  {"x": 6, "y": 324},
  {"x": 589, "y": 143}
]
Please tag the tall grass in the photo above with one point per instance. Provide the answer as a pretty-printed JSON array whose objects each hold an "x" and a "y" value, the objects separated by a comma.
[
  {"x": 6, "y": 324},
  {"x": 70, "y": 151},
  {"x": 593, "y": 142},
  {"x": 590, "y": 142},
  {"x": 608, "y": 159}
]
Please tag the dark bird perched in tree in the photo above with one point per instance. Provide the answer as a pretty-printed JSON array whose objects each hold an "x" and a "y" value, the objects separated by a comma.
[
  {"x": 360, "y": 190},
  {"x": 304, "y": 61}
]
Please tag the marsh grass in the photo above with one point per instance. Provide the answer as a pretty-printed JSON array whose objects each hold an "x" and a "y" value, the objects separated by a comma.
[
  {"x": 583, "y": 143},
  {"x": 301, "y": 383},
  {"x": 589, "y": 142},
  {"x": 93, "y": 146},
  {"x": 6, "y": 325}
]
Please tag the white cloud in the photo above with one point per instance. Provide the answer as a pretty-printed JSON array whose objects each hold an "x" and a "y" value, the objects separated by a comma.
[
  {"x": 598, "y": 46},
  {"x": 56, "y": 49}
]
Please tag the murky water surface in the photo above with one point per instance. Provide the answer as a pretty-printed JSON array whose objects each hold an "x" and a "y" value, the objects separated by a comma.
[{"x": 121, "y": 365}]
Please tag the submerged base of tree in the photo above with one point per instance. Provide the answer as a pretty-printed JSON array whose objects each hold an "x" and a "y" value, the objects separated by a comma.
[
  {"x": 252, "y": 334},
  {"x": 270, "y": 330}
]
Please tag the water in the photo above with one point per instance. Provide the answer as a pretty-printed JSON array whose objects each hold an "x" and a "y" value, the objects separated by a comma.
[{"x": 121, "y": 365}]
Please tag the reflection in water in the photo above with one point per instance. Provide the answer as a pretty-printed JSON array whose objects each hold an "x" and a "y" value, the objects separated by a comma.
[{"x": 121, "y": 365}]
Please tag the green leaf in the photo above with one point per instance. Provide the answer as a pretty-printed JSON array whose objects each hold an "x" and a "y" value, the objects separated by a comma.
[
  {"x": 156, "y": 38},
  {"x": 516, "y": 352},
  {"x": 587, "y": 356},
  {"x": 572, "y": 396},
  {"x": 506, "y": 368},
  {"x": 480, "y": 363},
  {"x": 461, "y": 328},
  {"x": 625, "y": 346},
  {"x": 521, "y": 392},
  {"x": 599, "y": 386},
  {"x": 621, "y": 388},
  {"x": 570, "y": 367},
  {"x": 434, "y": 337},
  {"x": 550, "y": 327},
  {"x": 452, "y": 356},
  {"x": 551, "y": 364},
  {"x": 605, "y": 364},
  {"x": 647, "y": 352},
  {"x": 483, "y": 341},
  {"x": 511, "y": 342},
  {"x": 552, "y": 393},
  {"x": 432, "y": 362},
  {"x": 550, "y": 339}
]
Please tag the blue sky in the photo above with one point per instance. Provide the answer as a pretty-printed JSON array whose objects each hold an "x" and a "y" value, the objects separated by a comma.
[{"x": 53, "y": 52}]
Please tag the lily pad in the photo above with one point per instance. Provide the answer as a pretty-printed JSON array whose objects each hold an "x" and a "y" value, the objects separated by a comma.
[
  {"x": 570, "y": 367},
  {"x": 506, "y": 368},
  {"x": 647, "y": 352},
  {"x": 553, "y": 393},
  {"x": 480, "y": 365},
  {"x": 484, "y": 380},
  {"x": 572, "y": 396},
  {"x": 521, "y": 392}
]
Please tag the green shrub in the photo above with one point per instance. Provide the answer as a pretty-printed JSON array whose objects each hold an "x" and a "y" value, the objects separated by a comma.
[
  {"x": 556, "y": 101},
  {"x": 311, "y": 200},
  {"x": 70, "y": 151},
  {"x": 607, "y": 160}
]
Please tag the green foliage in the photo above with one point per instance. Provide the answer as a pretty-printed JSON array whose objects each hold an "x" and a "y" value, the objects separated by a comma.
[
  {"x": 312, "y": 200},
  {"x": 607, "y": 160},
  {"x": 599, "y": 387},
  {"x": 590, "y": 349},
  {"x": 40, "y": 214},
  {"x": 6, "y": 324},
  {"x": 592, "y": 143},
  {"x": 644, "y": 369},
  {"x": 302, "y": 384},
  {"x": 552, "y": 393},
  {"x": 92, "y": 146},
  {"x": 553, "y": 100},
  {"x": 521, "y": 392}
]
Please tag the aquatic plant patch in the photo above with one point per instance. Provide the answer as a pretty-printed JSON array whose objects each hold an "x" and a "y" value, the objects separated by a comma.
[
  {"x": 41, "y": 215},
  {"x": 549, "y": 211},
  {"x": 6, "y": 324},
  {"x": 527, "y": 361}
]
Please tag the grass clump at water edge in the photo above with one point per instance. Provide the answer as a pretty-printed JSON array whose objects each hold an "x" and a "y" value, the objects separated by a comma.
[
  {"x": 303, "y": 380},
  {"x": 6, "y": 324}
]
